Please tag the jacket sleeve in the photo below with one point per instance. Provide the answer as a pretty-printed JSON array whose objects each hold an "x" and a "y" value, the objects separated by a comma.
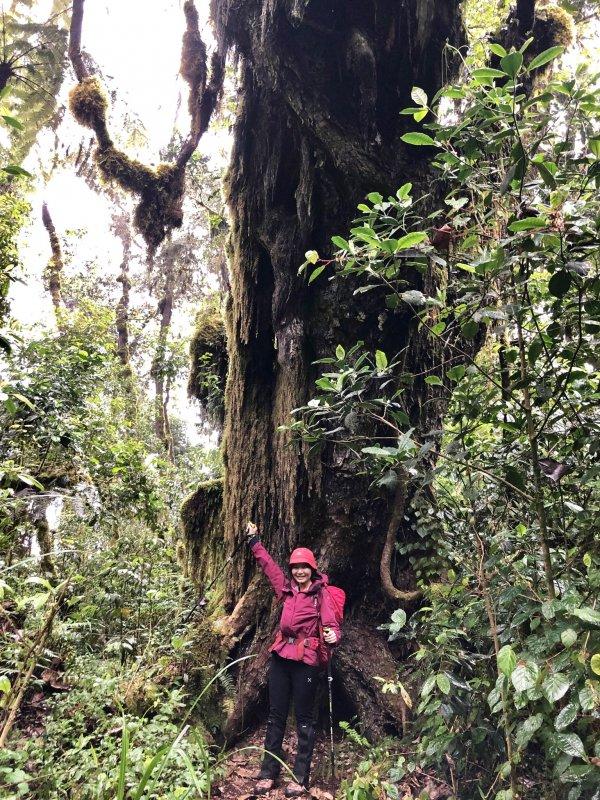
[
  {"x": 272, "y": 570},
  {"x": 328, "y": 619}
]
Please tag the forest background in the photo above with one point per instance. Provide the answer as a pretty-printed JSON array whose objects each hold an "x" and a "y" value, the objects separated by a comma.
[{"x": 448, "y": 385}]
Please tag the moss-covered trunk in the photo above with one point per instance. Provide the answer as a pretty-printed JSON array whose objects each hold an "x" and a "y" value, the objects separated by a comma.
[{"x": 322, "y": 84}]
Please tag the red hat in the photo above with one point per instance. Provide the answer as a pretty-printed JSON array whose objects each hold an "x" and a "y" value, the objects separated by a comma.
[{"x": 302, "y": 555}]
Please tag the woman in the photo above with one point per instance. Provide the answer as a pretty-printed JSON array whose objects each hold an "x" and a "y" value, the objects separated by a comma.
[{"x": 294, "y": 662}]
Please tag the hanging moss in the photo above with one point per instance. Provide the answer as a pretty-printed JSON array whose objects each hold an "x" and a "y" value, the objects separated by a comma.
[
  {"x": 88, "y": 102},
  {"x": 208, "y": 368},
  {"x": 202, "y": 520}
]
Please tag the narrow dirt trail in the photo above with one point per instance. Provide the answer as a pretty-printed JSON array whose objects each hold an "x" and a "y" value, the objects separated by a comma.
[{"x": 243, "y": 767}]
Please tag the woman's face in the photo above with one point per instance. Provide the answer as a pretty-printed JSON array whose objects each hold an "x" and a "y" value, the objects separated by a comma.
[{"x": 301, "y": 573}]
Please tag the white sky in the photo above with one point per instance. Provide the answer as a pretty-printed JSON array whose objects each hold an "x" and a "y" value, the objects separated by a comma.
[{"x": 137, "y": 46}]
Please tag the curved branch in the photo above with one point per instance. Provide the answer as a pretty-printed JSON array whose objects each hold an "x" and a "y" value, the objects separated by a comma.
[
  {"x": 160, "y": 190},
  {"x": 398, "y": 508}
]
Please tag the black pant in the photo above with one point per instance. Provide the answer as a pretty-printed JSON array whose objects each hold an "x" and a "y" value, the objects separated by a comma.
[{"x": 290, "y": 679}]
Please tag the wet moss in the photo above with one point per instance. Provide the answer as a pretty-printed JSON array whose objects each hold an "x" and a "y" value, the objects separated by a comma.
[{"x": 202, "y": 522}]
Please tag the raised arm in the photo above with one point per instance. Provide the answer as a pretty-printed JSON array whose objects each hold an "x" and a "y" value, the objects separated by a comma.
[{"x": 272, "y": 570}]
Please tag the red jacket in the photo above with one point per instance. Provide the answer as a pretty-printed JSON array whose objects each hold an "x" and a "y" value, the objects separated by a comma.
[{"x": 298, "y": 638}]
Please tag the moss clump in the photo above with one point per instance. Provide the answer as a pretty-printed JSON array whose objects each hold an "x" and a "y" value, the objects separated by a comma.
[
  {"x": 208, "y": 352},
  {"x": 88, "y": 103},
  {"x": 553, "y": 26},
  {"x": 202, "y": 521},
  {"x": 160, "y": 190}
]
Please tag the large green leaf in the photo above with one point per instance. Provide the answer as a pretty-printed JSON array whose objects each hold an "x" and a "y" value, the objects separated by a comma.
[
  {"x": 527, "y": 729},
  {"x": 417, "y": 138},
  {"x": 566, "y": 716},
  {"x": 555, "y": 686},
  {"x": 571, "y": 744},
  {"x": 525, "y": 675},
  {"x": 507, "y": 660}
]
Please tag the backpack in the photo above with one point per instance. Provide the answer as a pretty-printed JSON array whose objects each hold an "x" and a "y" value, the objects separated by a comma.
[{"x": 338, "y": 599}]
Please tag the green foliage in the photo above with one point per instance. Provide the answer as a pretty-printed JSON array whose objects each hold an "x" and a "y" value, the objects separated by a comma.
[{"x": 506, "y": 494}]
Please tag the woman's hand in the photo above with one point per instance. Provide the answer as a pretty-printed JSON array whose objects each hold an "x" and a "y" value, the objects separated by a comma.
[
  {"x": 329, "y": 636},
  {"x": 251, "y": 530}
]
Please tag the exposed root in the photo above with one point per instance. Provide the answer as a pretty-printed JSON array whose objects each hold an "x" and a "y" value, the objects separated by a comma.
[{"x": 388, "y": 548}]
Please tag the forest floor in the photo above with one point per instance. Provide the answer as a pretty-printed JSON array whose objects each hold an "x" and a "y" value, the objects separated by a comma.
[{"x": 243, "y": 768}]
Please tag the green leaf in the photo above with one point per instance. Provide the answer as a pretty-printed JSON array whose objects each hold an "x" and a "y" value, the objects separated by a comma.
[
  {"x": 456, "y": 373},
  {"x": 487, "y": 72},
  {"x": 374, "y": 197},
  {"x": 4, "y": 684},
  {"x": 14, "y": 123},
  {"x": 497, "y": 49},
  {"x": 315, "y": 273},
  {"x": 399, "y": 619},
  {"x": 545, "y": 174},
  {"x": 433, "y": 380},
  {"x": 341, "y": 243},
  {"x": 568, "y": 637},
  {"x": 417, "y": 138},
  {"x": 418, "y": 116},
  {"x": 595, "y": 663},
  {"x": 428, "y": 686},
  {"x": 559, "y": 283},
  {"x": 555, "y": 686},
  {"x": 587, "y": 614},
  {"x": 571, "y": 744},
  {"x": 526, "y": 730},
  {"x": 419, "y": 96},
  {"x": 443, "y": 682},
  {"x": 469, "y": 329},
  {"x": 404, "y": 191},
  {"x": 589, "y": 697},
  {"x": 545, "y": 57},
  {"x": 13, "y": 169},
  {"x": 594, "y": 144},
  {"x": 311, "y": 256},
  {"x": 340, "y": 353},
  {"x": 525, "y": 675},
  {"x": 527, "y": 224},
  {"x": 381, "y": 361},
  {"x": 566, "y": 716},
  {"x": 410, "y": 240},
  {"x": 511, "y": 64},
  {"x": 507, "y": 660}
]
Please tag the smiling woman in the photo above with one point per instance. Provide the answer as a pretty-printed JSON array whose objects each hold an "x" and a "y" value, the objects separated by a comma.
[{"x": 308, "y": 619}]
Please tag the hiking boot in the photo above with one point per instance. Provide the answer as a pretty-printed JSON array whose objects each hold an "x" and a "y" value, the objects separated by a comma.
[
  {"x": 294, "y": 789},
  {"x": 264, "y": 785}
]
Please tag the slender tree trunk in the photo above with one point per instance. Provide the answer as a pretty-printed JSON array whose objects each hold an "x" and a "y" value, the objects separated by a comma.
[
  {"x": 55, "y": 266},
  {"x": 161, "y": 381},
  {"x": 322, "y": 85},
  {"x": 123, "y": 231}
]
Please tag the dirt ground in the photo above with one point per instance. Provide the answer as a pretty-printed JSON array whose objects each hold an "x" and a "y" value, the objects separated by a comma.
[{"x": 243, "y": 767}]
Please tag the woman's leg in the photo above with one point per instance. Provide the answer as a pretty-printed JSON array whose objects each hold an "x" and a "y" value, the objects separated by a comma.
[
  {"x": 280, "y": 689},
  {"x": 304, "y": 688}
]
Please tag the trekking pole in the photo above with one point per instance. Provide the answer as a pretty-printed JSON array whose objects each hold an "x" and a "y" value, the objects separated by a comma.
[
  {"x": 329, "y": 682},
  {"x": 202, "y": 600}
]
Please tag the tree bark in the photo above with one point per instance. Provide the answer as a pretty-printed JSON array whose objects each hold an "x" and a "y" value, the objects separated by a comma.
[{"x": 322, "y": 85}]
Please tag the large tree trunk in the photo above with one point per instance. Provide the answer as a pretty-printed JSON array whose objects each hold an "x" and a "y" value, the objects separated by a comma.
[{"x": 322, "y": 84}]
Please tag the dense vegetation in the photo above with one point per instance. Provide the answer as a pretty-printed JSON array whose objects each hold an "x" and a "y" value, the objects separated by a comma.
[{"x": 116, "y": 671}]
